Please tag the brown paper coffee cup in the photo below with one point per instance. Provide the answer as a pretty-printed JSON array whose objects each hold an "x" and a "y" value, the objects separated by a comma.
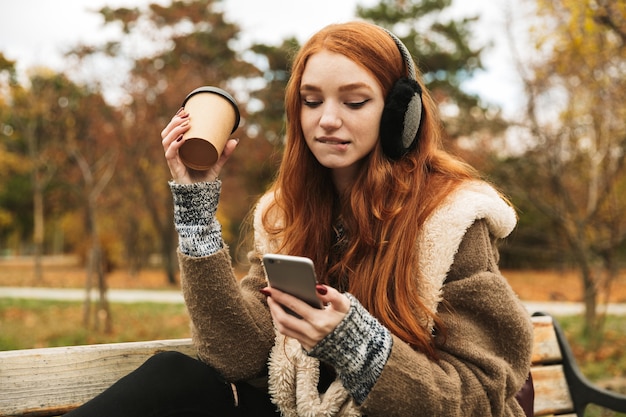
[{"x": 214, "y": 116}]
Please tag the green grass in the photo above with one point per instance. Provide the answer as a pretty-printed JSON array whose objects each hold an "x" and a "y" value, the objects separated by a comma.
[
  {"x": 27, "y": 324},
  {"x": 609, "y": 359},
  {"x": 607, "y": 362},
  {"x": 595, "y": 411}
]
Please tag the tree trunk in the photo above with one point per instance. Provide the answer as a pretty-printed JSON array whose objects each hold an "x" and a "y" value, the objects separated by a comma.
[
  {"x": 169, "y": 254},
  {"x": 95, "y": 264},
  {"x": 38, "y": 203},
  {"x": 88, "y": 287},
  {"x": 102, "y": 313},
  {"x": 38, "y": 232},
  {"x": 590, "y": 296},
  {"x": 164, "y": 226},
  {"x": 583, "y": 257}
]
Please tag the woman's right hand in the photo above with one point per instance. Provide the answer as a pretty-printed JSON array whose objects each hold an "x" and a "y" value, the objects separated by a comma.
[
  {"x": 172, "y": 136},
  {"x": 314, "y": 324}
]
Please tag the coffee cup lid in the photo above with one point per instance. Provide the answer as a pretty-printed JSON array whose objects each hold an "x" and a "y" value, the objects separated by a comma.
[{"x": 216, "y": 90}]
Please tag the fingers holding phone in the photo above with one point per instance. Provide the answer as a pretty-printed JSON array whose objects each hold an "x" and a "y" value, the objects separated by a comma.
[
  {"x": 311, "y": 324},
  {"x": 297, "y": 303}
]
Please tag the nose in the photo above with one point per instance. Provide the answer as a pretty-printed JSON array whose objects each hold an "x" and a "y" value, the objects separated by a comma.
[{"x": 331, "y": 118}]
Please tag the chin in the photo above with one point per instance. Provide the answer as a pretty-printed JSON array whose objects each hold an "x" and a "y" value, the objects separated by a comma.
[{"x": 333, "y": 163}]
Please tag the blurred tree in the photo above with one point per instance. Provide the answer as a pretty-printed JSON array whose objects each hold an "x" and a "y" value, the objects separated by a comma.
[
  {"x": 277, "y": 59},
  {"x": 38, "y": 119},
  {"x": 574, "y": 169},
  {"x": 88, "y": 142},
  {"x": 250, "y": 172},
  {"x": 185, "y": 45},
  {"x": 54, "y": 121},
  {"x": 11, "y": 163}
]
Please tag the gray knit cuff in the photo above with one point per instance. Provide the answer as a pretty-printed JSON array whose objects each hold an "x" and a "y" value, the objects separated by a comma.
[
  {"x": 199, "y": 232},
  {"x": 358, "y": 349}
]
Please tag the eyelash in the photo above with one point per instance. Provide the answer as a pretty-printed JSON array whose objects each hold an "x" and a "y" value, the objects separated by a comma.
[
  {"x": 352, "y": 105},
  {"x": 357, "y": 105},
  {"x": 311, "y": 104}
]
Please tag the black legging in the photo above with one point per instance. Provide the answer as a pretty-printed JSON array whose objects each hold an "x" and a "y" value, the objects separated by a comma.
[{"x": 171, "y": 384}]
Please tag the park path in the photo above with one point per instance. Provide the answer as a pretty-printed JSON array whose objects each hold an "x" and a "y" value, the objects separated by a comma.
[
  {"x": 175, "y": 297},
  {"x": 77, "y": 294}
]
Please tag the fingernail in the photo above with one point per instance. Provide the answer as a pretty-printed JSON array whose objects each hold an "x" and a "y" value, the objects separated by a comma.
[
  {"x": 321, "y": 289},
  {"x": 184, "y": 116},
  {"x": 179, "y": 110},
  {"x": 265, "y": 292},
  {"x": 179, "y": 138}
]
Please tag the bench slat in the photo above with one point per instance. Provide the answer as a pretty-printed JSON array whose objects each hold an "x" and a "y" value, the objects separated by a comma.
[
  {"x": 545, "y": 345},
  {"x": 551, "y": 391},
  {"x": 80, "y": 373}
]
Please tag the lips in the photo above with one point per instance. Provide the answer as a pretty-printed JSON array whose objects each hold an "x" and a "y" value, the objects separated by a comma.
[{"x": 333, "y": 141}]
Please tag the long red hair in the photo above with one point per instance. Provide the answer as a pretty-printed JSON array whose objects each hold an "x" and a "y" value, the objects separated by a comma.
[{"x": 384, "y": 210}]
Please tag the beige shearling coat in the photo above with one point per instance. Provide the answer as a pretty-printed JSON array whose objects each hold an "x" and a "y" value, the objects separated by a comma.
[{"x": 483, "y": 361}]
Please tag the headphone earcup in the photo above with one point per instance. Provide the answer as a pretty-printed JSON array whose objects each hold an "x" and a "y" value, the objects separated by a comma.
[{"x": 401, "y": 118}]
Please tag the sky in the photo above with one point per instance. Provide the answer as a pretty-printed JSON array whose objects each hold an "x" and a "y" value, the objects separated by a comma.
[{"x": 35, "y": 32}]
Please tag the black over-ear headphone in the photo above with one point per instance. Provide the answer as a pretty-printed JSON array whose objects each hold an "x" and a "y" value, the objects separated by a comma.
[{"x": 402, "y": 114}]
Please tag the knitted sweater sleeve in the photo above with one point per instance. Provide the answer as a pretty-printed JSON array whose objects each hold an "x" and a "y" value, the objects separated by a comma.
[
  {"x": 226, "y": 313},
  {"x": 483, "y": 356},
  {"x": 199, "y": 232},
  {"x": 358, "y": 350}
]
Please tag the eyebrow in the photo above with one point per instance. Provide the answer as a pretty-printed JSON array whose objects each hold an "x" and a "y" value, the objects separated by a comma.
[{"x": 343, "y": 88}]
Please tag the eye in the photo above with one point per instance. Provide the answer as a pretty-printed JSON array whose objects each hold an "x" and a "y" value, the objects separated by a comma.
[
  {"x": 356, "y": 104},
  {"x": 311, "y": 103}
]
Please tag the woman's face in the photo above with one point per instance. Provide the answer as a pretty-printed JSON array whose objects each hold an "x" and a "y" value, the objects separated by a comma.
[{"x": 342, "y": 104}]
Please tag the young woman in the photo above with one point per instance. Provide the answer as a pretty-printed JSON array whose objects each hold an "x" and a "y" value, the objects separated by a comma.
[{"x": 418, "y": 320}]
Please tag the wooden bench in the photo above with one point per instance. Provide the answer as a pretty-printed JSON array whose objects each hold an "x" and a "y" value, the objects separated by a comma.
[
  {"x": 52, "y": 381},
  {"x": 560, "y": 388}
]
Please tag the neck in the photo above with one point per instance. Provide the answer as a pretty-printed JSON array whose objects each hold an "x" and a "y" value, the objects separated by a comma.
[{"x": 343, "y": 178}]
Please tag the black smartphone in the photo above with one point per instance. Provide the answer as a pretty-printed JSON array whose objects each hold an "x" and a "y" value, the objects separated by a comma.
[{"x": 294, "y": 275}]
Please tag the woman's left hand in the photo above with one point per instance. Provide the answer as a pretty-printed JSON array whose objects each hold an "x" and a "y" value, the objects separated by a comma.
[{"x": 315, "y": 323}]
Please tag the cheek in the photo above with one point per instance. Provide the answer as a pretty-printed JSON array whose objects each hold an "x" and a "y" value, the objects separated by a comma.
[
  {"x": 370, "y": 128},
  {"x": 307, "y": 130},
  {"x": 372, "y": 139},
  {"x": 305, "y": 122}
]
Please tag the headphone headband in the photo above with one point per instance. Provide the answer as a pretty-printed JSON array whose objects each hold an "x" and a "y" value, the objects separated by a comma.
[{"x": 406, "y": 55}]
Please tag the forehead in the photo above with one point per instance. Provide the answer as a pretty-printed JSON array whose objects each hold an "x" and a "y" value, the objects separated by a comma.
[{"x": 327, "y": 68}]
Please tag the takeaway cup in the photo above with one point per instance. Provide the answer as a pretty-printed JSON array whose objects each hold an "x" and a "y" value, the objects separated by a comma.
[{"x": 214, "y": 116}]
